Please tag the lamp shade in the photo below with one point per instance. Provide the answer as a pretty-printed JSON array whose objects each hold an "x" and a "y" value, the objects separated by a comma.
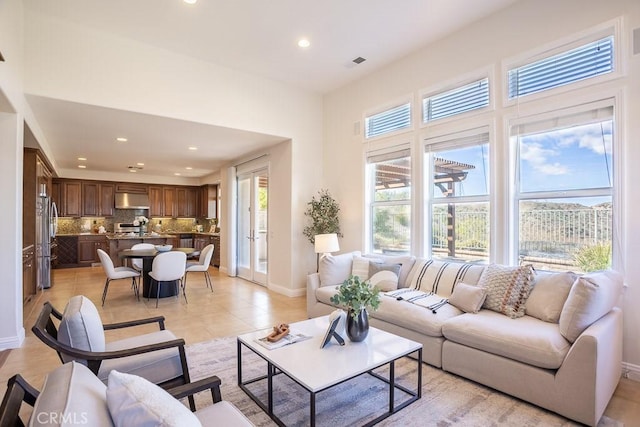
[{"x": 325, "y": 243}]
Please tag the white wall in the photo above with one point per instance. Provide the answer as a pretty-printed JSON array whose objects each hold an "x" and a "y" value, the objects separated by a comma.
[{"x": 527, "y": 25}]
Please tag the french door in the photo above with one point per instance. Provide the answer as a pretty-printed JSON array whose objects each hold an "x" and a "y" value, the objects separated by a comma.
[{"x": 252, "y": 257}]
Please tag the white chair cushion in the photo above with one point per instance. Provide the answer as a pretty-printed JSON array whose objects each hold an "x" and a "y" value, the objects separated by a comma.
[
  {"x": 134, "y": 401},
  {"x": 196, "y": 266},
  {"x": 222, "y": 414},
  {"x": 124, "y": 272},
  {"x": 71, "y": 395},
  {"x": 81, "y": 326},
  {"x": 156, "y": 366}
]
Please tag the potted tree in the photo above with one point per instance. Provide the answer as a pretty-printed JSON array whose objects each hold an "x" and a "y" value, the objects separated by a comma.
[
  {"x": 323, "y": 213},
  {"x": 356, "y": 296}
]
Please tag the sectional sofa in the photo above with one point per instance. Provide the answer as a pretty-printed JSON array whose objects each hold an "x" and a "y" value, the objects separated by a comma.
[{"x": 552, "y": 339}]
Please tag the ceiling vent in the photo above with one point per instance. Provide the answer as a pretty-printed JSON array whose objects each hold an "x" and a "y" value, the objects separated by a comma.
[{"x": 359, "y": 60}]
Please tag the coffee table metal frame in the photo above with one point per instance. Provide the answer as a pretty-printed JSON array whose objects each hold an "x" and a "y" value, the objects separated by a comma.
[{"x": 274, "y": 369}]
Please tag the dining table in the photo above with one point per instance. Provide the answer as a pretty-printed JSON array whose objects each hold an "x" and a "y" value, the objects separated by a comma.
[{"x": 147, "y": 256}]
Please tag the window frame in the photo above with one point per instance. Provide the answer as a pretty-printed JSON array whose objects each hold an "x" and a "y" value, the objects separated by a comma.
[
  {"x": 609, "y": 28},
  {"x": 398, "y": 102}
]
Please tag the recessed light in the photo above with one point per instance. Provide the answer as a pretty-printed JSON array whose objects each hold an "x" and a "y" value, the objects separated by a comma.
[
  {"x": 188, "y": 168},
  {"x": 192, "y": 148},
  {"x": 140, "y": 164},
  {"x": 82, "y": 159},
  {"x": 304, "y": 43},
  {"x": 177, "y": 174},
  {"x": 121, "y": 139},
  {"x": 133, "y": 170},
  {"x": 190, "y": 1},
  {"x": 82, "y": 166}
]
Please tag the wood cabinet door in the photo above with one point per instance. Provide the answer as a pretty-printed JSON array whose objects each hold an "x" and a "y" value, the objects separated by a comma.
[
  {"x": 200, "y": 242},
  {"x": 86, "y": 251},
  {"x": 181, "y": 202},
  {"x": 169, "y": 201},
  {"x": 90, "y": 198},
  {"x": 107, "y": 199},
  {"x": 72, "y": 196},
  {"x": 155, "y": 201}
]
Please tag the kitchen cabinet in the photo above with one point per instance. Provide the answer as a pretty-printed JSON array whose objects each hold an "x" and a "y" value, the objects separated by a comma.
[
  {"x": 28, "y": 273},
  {"x": 36, "y": 175},
  {"x": 215, "y": 260},
  {"x": 70, "y": 198},
  {"x": 207, "y": 201},
  {"x": 186, "y": 202},
  {"x": 162, "y": 201},
  {"x": 98, "y": 198},
  {"x": 88, "y": 246}
]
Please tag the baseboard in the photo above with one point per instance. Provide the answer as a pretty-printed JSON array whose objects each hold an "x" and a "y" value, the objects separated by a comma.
[
  {"x": 287, "y": 291},
  {"x": 224, "y": 270},
  {"x": 631, "y": 371},
  {"x": 12, "y": 342}
]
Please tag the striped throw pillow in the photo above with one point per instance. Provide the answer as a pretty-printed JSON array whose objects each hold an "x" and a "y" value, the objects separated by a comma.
[{"x": 441, "y": 277}]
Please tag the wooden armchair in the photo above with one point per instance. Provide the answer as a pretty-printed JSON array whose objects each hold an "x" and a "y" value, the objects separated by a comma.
[
  {"x": 71, "y": 390},
  {"x": 158, "y": 356}
]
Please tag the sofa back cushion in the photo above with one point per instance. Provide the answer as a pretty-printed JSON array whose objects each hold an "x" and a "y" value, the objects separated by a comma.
[
  {"x": 81, "y": 326},
  {"x": 441, "y": 277},
  {"x": 335, "y": 269},
  {"x": 549, "y": 293},
  {"x": 71, "y": 395},
  {"x": 591, "y": 297}
]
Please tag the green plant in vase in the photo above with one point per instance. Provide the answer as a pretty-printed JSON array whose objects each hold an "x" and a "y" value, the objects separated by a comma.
[{"x": 357, "y": 296}]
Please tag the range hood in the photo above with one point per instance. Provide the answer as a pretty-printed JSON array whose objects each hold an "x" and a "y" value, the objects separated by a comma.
[{"x": 132, "y": 201}]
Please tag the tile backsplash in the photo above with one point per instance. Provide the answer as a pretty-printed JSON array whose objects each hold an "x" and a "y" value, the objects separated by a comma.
[{"x": 91, "y": 224}]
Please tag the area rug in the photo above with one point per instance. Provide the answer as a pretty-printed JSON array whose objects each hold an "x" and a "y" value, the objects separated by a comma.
[{"x": 446, "y": 398}]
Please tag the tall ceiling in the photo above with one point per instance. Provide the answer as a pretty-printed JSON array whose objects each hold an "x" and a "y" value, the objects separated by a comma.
[{"x": 254, "y": 36}]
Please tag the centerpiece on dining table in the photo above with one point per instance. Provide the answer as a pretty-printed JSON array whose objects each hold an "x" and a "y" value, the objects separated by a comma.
[{"x": 141, "y": 221}]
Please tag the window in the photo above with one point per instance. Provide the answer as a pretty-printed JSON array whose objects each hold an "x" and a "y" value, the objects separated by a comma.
[
  {"x": 390, "y": 206},
  {"x": 456, "y": 101},
  {"x": 589, "y": 60},
  {"x": 459, "y": 201},
  {"x": 388, "y": 121},
  {"x": 564, "y": 190}
]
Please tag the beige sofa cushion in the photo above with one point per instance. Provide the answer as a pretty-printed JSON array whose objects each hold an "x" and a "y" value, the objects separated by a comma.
[
  {"x": 335, "y": 269},
  {"x": 81, "y": 326},
  {"x": 525, "y": 339},
  {"x": 360, "y": 267},
  {"x": 440, "y": 277},
  {"x": 507, "y": 288},
  {"x": 591, "y": 297},
  {"x": 71, "y": 395},
  {"x": 549, "y": 293},
  {"x": 222, "y": 414}
]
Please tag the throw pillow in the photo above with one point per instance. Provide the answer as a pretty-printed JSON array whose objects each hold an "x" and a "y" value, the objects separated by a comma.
[
  {"x": 591, "y": 297},
  {"x": 134, "y": 401},
  {"x": 384, "y": 276},
  {"x": 335, "y": 269},
  {"x": 548, "y": 295},
  {"x": 440, "y": 277},
  {"x": 468, "y": 298},
  {"x": 507, "y": 288},
  {"x": 361, "y": 267},
  {"x": 406, "y": 262}
]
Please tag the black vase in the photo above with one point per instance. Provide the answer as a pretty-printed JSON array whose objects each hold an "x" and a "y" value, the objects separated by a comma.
[{"x": 358, "y": 327}]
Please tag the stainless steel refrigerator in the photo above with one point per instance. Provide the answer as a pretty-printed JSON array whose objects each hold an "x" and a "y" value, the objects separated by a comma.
[{"x": 46, "y": 228}]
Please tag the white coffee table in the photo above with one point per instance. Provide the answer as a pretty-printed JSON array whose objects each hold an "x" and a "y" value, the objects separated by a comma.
[{"x": 317, "y": 369}]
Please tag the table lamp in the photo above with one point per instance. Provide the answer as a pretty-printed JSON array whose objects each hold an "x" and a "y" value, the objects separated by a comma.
[{"x": 324, "y": 244}]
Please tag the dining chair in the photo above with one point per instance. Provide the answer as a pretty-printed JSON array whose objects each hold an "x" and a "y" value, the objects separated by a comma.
[
  {"x": 202, "y": 265},
  {"x": 136, "y": 263},
  {"x": 117, "y": 273},
  {"x": 168, "y": 267}
]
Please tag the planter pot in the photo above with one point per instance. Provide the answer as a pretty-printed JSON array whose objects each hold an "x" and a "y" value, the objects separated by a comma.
[{"x": 358, "y": 328}]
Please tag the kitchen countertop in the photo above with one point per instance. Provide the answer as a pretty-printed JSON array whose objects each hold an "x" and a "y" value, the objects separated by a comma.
[{"x": 165, "y": 235}]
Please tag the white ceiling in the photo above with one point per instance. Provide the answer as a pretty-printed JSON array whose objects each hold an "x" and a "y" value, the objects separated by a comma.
[{"x": 255, "y": 36}]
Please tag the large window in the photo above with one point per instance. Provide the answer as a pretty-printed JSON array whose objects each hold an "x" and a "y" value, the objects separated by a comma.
[
  {"x": 390, "y": 207},
  {"x": 565, "y": 190},
  {"x": 459, "y": 196}
]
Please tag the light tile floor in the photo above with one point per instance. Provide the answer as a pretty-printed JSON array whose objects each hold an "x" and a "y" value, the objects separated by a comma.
[{"x": 235, "y": 306}]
